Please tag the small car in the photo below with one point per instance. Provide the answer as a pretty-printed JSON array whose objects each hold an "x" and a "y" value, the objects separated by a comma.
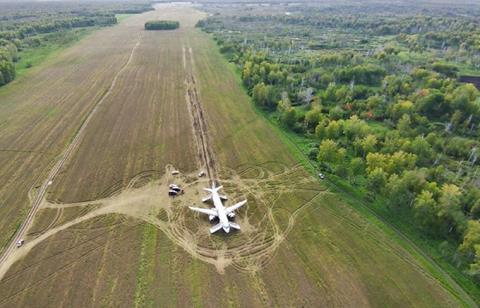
[
  {"x": 321, "y": 176},
  {"x": 20, "y": 243}
]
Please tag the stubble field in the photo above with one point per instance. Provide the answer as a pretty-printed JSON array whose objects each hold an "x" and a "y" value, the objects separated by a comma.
[{"x": 107, "y": 234}]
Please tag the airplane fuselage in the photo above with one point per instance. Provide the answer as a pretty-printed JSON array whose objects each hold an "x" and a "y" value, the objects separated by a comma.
[
  {"x": 223, "y": 213},
  {"x": 222, "y": 216}
]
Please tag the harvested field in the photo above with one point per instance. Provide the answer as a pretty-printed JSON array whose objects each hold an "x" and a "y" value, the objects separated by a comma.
[
  {"x": 40, "y": 113},
  {"x": 119, "y": 240}
]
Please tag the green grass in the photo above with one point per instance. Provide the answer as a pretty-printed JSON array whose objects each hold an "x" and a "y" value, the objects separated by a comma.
[
  {"x": 52, "y": 45},
  {"x": 122, "y": 17},
  {"x": 400, "y": 219},
  {"x": 467, "y": 70},
  {"x": 377, "y": 213},
  {"x": 396, "y": 224},
  {"x": 146, "y": 265}
]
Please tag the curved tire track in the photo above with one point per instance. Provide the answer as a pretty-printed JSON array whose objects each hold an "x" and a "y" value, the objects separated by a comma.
[{"x": 67, "y": 153}]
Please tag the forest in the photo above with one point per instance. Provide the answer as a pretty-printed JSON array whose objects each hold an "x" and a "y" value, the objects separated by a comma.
[
  {"x": 161, "y": 25},
  {"x": 372, "y": 95},
  {"x": 24, "y": 24}
]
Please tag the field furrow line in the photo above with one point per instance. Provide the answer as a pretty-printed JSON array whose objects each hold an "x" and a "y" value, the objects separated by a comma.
[
  {"x": 206, "y": 155},
  {"x": 58, "y": 166}
]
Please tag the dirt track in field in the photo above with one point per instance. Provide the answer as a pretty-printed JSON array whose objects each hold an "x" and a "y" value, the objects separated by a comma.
[
  {"x": 195, "y": 114},
  {"x": 206, "y": 156},
  {"x": 41, "y": 112},
  {"x": 251, "y": 250},
  {"x": 258, "y": 241},
  {"x": 40, "y": 194}
]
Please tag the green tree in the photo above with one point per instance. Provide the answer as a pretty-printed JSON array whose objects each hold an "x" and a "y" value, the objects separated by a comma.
[
  {"x": 471, "y": 238},
  {"x": 398, "y": 192},
  {"x": 312, "y": 118},
  {"x": 377, "y": 179},
  {"x": 376, "y": 161},
  {"x": 450, "y": 208},
  {"x": 400, "y": 161},
  {"x": 321, "y": 131},
  {"x": 432, "y": 103},
  {"x": 367, "y": 144},
  {"x": 343, "y": 171},
  {"x": 425, "y": 212},
  {"x": 357, "y": 166},
  {"x": 260, "y": 94},
  {"x": 475, "y": 265},
  {"x": 264, "y": 96},
  {"x": 333, "y": 129},
  {"x": 284, "y": 104},
  {"x": 420, "y": 147},
  {"x": 401, "y": 108},
  {"x": 289, "y": 118},
  {"x": 354, "y": 127},
  {"x": 404, "y": 126},
  {"x": 329, "y": 152},
  {"x": 475, "y": 210}
]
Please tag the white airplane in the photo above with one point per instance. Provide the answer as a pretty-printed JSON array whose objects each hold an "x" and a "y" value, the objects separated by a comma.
[{"x": 219, "y": 211}]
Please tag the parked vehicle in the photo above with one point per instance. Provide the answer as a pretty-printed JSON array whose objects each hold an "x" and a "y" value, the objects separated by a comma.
[{"x": 20, "y": 243}]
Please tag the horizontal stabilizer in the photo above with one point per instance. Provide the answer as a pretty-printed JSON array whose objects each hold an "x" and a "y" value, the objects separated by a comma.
[
  {"x": 234, "y": 225},
  {"x": 216, "y": 228},
  {"x": 207, "y": 198},
  {"x": 232, "y": 208},
  {"x": 204, "y": 211}
]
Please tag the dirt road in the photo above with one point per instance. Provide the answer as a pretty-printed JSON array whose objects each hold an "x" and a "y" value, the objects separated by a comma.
[
  {"x": 40, "y": 194},
  {"x": 206, "y": 155},
  {"x": 121, "y": 241}
]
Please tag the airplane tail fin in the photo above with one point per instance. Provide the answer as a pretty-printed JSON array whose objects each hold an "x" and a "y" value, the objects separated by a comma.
[
  {"x": 220, "y": 226},
  {"x": 213, "y": 189}
]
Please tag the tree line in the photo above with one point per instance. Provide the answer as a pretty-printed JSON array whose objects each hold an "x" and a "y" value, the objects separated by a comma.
[
  {"x": 161, "y": 25},
  {"x": 402, "y": 130}
]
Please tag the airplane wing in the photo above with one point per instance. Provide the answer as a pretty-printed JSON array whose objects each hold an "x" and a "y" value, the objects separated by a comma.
[
  {"x": 232, "y": 208},
  {"x": 204, "y": 211},
  {"x": 216, "y": 228},
  {"x": 207, "y": 198}
]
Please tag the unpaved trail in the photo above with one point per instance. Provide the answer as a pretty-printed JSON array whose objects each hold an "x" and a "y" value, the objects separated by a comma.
[
  {"x": 206, "y": 156},
  {"x": 67, "y": 153},
  {"x": 250, "y": 253}
]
